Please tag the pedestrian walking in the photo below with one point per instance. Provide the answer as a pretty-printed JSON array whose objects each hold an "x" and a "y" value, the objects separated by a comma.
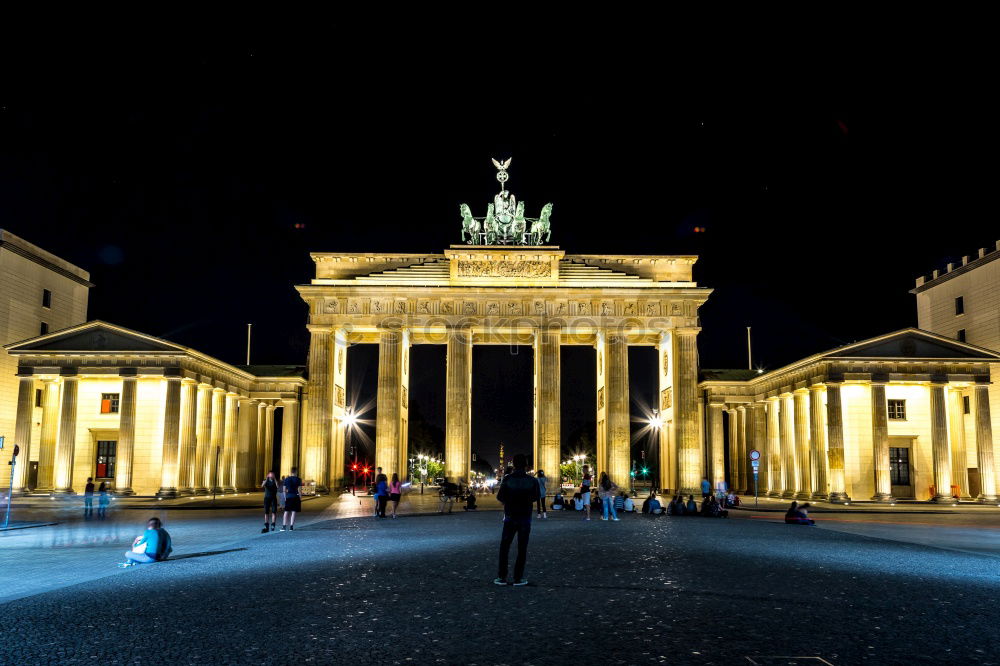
[
  {"x": 88, "y": 499},
  {"x": 518, "y": 494},
  {"x": 153, "y": 546},
  {"x": 102, "y": 501},
  {"x": 381, "y": 495},
  {"x": 395, "y": 492},
  {"x": 378, "y": 473},
  {"x": 542, "y": 481},
  {"x": 607, "y": 490},
  {"x": 270, "y": 486},
  {"x": 293, "y": 499},
  {"x": 585, "y": 490}
]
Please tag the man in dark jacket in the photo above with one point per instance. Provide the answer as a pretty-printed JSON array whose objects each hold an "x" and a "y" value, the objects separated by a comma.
[{"x": 518, "y": 494}]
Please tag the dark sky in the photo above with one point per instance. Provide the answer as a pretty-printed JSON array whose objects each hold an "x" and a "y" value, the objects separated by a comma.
[{"x": 179, "y": 182}]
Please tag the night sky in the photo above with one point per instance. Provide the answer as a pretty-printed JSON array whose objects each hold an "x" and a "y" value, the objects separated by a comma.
[{"x": 194, "y": 187}]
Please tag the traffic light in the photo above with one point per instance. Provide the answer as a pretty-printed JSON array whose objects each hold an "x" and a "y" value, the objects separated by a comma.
[{"x": 645, "y": 471}]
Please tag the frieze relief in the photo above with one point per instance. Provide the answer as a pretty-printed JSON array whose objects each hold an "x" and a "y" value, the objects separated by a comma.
[
  {"x": 504, "y": 269},
  {"x": 339, "y": 396}
]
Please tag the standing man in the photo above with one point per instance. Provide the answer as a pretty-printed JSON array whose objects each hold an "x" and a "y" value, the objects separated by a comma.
[
  {"x": 293, "y": 498},
  {"x": 706, "y": 488},
  {"x": 88, "y": 499},
  {"x": 518, "y": 494}
]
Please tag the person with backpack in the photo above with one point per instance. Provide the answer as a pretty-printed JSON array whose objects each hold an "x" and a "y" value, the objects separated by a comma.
[
  {"x": 518, "y": 494},
  {"x": 607, "y": 491}
]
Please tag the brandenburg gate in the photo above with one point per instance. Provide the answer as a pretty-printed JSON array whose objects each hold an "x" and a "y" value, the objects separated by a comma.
[{"x": 503, "y": 287}]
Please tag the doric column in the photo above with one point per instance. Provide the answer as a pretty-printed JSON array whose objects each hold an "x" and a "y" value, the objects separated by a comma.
[
  {"x": 204, "y": 439},
  {"x": 189, "y": 436},
  {"x": 50, "y": 430},
  {"x": 956, "y": 434},
  {"x": 66, "y": 444},
  {"x": 213, "y": 463},
  {"x": 289, "y": 436},
  {"x": 759, "y": 443},
  {"x": 984, "y": 443},
  {"x": 171, "y": 439},
  {"x": 689, "y": 441},
  {"x": 819, "y": 465},
  {"x": 716, "y": 444},
  {"x": 786, "y": 432},
  {"x": 228, "y": 481},
  {"x": 458, "y": 408},
  {"x": 803, "y": 451},
  {"x": 939, "y": 444},
  {"x": 667, "y": 454},
  {"x": 22, "y": 430},
  {"x": 389, "y": 416},
  {"x": 337, "y": 456},
  {"x": 126, "y": 437},
  {"x": 772, "y": 457},
  {"x": 601, "y": 400},
  {"x": 319, "y": 417},
  {"x": 835, "y": 443},
  {"x": 734, "y": 454},
  {"x": 619, "y": 435},
  {"x": 880, "y": 442},
  {"x": 260, "y": 471},
  {"x": 546, "y": 401},
  {"x": 247, "y": 422},
  {"x": 268, "y": 439},
  {"x": 740, "y": 483}
]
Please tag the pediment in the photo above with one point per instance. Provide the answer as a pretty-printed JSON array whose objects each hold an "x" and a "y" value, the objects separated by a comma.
[
  {"x": 94, "y": 337},
  {"x": 912, "y": 343}
]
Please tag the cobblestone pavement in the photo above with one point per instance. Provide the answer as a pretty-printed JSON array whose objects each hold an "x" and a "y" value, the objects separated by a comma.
[{"x": 417, "y": 590}]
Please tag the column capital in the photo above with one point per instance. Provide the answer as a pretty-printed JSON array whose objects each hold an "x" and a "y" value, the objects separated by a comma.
[{"x": 816, "y": 388}]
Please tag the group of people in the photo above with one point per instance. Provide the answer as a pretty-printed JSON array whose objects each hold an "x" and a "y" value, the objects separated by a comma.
[
  {"x": 103, "y": 499},
  {"x": 710, "y": 507},
  {"x": 289, "y": 491},
  {"x": 387, "y": 491}
]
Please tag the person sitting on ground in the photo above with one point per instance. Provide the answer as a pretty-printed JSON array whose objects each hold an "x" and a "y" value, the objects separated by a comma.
[
  {"x": 655, "y": 508},
  {"x": 798, "y": 515},
  {"x": 705, "y": 504},
  {"x": 470, "y": 502},
  {"x": 557, "y": 502},
  {"x": 628, "y": 505},
  {"x": 153, "y": 546},
  {"x": 715, "y": 509},
  {"x": 620, "y": 502},
  {"x": 676, "y": 506},
  {"x": 690, "y": 509},
  {"x": 732, "y": 499},
  {"x": 578, "y": 501}
]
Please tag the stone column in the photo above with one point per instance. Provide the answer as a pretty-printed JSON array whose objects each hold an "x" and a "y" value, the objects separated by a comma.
[
  {"x": 228, "y": 481},
  {"x": 50, "y": 430},
  {"x": 715, "y": 442},
  {"x": 939, "y": 444},
  {"x": 619, "y": 435},
  {"x": 689, "y": 442},
  {"x": 289, "y": 436},
  {"x": 388, "y": 423},
  {"x": 667, "y": 455},
  {"x": 880, "y": 442},
  {"x": 741, "y": 483},
  {"x": 786, "y": 432},
  {"x": 835, "y": 443},
  {"x": 546, "y": 398},
  {"x": 204, "y": 439},
  {"x": 337, "y": 456},
  {"x": 458, "y": 409},
  {"x": 247, "y": 421},
  {"x": 956, "y": 433},
  {"x": 772, "y": 457},
  {"x": 803, "y": 452},
  {"x": 268, "y": 439},
  {"x": 213, "y": 459},
  {"x": 126, "y": 437},
  {"x": 319, "y": 416},
  {"x": 22, "y": 431},
  {"x": 819, "y": 465},
  {"x": 760, "y": 443},
  {"x": 66, "y": 445},
  {"x": 734, "y": 464},
  {"x": 601, "y": 399},
  {"x": 171, "y": 439},
  {"x": 984, "y": 443},
  {"x": 189, "y": 436},
  {"x": 260, "y": 471}
]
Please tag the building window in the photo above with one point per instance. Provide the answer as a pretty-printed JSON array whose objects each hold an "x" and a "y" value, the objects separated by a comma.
[
  {"x": 44, "y": 328},
  {"x": 960, "y": 305},
  {"x": 46, "y": 298},
  {"x": 966, "y": 408},
  {"x": 106, "y": 450},
  {"x": 897, "y": 410},
  {"x": 109, "y": 403},
  {"x": 899, "y": 466},
  {"x": 960, "y": 336},
  {"x": 38, "y": 398}
]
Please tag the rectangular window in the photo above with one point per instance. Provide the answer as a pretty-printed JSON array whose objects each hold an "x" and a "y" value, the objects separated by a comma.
[
  {"x": 46, "y": 298},
  {"x": 38, "y": 398},
  {"x": 966, "y": 408},
  {"x": 109, "y": 403},
  {"x": 960, "y": 305},
  {"x": 43, "y": 329},
  {"x": 899, "y": 466},
  {"x": 961, "y": 335},
  {"x": 106, "y": 453},
  {"x": 897, "y": 410}
]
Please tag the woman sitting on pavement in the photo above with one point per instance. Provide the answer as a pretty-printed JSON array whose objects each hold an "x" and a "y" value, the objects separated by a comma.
[
  {"x": 715, "y": 509},
  {"x": 557, "y": 502},
  {"x": 690, "y": 509},
  {"x": 652, "y": 505},
  {"x": 628, "y": 506},
  {"x": 470, "y": 502},
  {"x": 798, "y": 515},
  {"x": 732, "y": 499},
  {"x": 153, "y": 546},
  {"x": 578, "y": 501}
]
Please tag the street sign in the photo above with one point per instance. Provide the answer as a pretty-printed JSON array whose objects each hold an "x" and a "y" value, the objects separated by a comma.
[
  {"x": 754, "y": 454},
  {"x": 755, "y": 464},
  {"x": 2, "y": 438}
]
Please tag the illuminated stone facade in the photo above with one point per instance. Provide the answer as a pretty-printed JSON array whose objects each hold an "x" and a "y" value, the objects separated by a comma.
[
  {"x": 148, "y": 416},
  {"x": 858, "y": 421},
  {"x": 489, "y": 295}
]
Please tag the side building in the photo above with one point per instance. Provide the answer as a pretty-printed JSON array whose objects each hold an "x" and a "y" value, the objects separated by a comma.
[
  {"x": 39, "y": 292},
  {"x": 148, "y": 416}
]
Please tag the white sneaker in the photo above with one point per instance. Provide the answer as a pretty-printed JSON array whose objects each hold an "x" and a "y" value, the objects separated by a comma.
[
  {"x": 545, "y": 515},
  {"x": 615, "y": 519},
  {"x": 603, "y": 518},
  {"x": 499, "y": 581},
  {"x": 520, "y": 581}
]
